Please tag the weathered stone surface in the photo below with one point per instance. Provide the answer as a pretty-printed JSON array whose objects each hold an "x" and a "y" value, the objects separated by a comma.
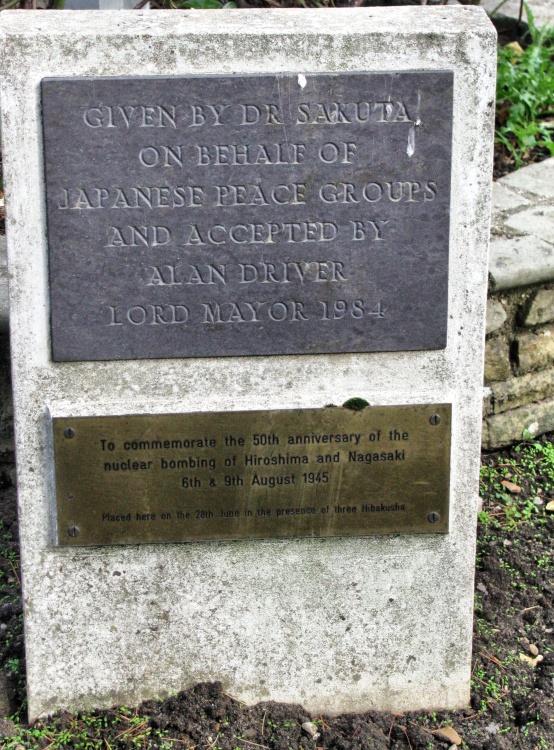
[
  {"x": 504, "y": 199},
  {"x": 536, "y": 178},
  {"x": 535, "y": 350},
  {"x": 508, "y": 427},
  {"x": 7, "y": 729},
  {"x": 538, "y": 221},
  {"x": 522, "y": 390},
  {"x": 128, "y": 623},
  {"x": 520, "y": 261},
  {"x": 541, "y": 309},
  {"x": 497, "y": 360},
  {"x": 496, "y": 315},
  {"x": 543, "y": 10},
  {"x": 4, "y": 303},
  {"x": 487, "y": 400}
]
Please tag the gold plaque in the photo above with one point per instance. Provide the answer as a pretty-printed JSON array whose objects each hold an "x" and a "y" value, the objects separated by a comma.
[{"x": 254, "y": 474}]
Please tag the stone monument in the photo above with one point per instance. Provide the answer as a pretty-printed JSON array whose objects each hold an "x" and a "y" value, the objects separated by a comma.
[{"x": 247, "y": 256}]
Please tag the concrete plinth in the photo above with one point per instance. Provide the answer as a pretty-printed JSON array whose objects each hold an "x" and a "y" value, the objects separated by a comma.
[{"x": 343, "y": 624}]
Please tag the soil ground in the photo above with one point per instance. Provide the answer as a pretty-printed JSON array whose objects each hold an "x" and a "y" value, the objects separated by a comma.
[
  {"x": 512, "y": 706},
  {"x": 504, "y": 162}
]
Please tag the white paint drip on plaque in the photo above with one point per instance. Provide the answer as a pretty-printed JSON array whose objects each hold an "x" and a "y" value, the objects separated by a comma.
[{"x": 410, "y": 150}]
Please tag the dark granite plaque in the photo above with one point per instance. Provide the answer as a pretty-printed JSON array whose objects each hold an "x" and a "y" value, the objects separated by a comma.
[
  {"x": 246, "y": 475},
  {"x": 233, "y": 215}
]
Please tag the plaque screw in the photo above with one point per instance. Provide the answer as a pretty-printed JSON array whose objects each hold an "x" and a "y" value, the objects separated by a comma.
[
  {"x": 435, "y": 419},
  {"x": 69, "y": 432},
  {"x": 73, "y": 531},
  {"x": 433, "y": 517}
]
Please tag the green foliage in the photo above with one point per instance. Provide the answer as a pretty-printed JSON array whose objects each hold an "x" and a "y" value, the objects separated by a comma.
[
  {"x": 91, "y": 731},
  {"x": 533, "y": 469},
  {"x": 11, "y": 4},
  {"x": 525, "y": 93},
  {"x": 537, "y": 459},
  {"x": 495, "y": 684}
]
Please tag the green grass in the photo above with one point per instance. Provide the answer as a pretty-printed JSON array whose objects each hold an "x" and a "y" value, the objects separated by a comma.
[
  {"x": 92, "y": 731},
  {"x": 533, "y": 468},
  {"x": 525, "y": 93}
]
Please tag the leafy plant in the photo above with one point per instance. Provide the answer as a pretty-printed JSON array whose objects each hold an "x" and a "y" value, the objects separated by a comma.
[{"x": 525, "y": 93}]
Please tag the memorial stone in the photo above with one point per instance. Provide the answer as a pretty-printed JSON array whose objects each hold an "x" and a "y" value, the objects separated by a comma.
[{"x": 248, "y": 266}]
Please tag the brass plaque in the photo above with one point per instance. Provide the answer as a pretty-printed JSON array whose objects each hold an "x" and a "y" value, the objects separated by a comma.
[{"x": 255, "y": 474}]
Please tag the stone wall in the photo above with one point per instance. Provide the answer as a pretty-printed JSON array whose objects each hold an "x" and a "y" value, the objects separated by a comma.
[{"x": 519, "y": 354}]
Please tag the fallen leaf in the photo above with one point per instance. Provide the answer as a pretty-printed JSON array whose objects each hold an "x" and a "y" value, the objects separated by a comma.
[
  {"x": 529, "y": 659},
  {"x": 311, "y": 729},
  {"x": 511, "y": 487},
  {"x": 550, "y": 506},
  {"x": 450, "y": 734},
  {"x": 515, "y": 48}
]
